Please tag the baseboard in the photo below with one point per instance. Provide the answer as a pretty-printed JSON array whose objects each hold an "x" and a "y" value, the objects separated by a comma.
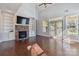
[
  {"x": 47, "y": 37},
  {"x": 43, "y": 35},
  {"x": 76, "y": 40},
  {"x": 5, "y": 40}
]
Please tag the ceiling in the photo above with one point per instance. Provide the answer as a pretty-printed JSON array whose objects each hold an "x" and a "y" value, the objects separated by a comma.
[
  {"x": 58, "y": 9},
  {"x": 15, "y": 6},
  {"x": 55, "y": 7},
  {"x": 59, "y": 6},
  {"x": 10, "y": 6}
]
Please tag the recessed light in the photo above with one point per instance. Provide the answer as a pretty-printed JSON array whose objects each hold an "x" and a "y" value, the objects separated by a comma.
[{"x": 66, "y": 10}]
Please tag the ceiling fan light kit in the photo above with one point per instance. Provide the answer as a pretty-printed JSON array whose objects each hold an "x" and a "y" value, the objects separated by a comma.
[{"x": 44, "y": 4}]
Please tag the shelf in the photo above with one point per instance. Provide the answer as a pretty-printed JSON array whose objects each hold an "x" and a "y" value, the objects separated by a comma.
[{"x": 22, "y": 24}]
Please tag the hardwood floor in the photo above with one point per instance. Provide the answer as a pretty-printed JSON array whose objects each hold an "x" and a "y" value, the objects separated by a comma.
[
  {"x": 50, "y": 46},
  {"x": 14, "y": 48}
]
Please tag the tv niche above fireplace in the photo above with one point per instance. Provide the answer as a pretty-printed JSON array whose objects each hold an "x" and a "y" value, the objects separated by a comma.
[
  {"x": 22, "y": 28},
  {"x": 22, "y": 20}
]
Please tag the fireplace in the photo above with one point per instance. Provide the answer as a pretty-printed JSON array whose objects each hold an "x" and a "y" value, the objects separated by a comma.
[{"x": 22, "y": 34}]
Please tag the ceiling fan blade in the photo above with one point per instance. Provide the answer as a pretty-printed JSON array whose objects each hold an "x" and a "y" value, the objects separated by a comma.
[
  {"x": 45, "y": 4},
  {"x": 40, "y": 4}
]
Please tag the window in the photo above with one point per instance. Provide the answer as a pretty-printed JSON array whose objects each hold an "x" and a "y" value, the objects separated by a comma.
[
  {"x": 45, "y": 25},
  {"x": 72, "y": 25}
]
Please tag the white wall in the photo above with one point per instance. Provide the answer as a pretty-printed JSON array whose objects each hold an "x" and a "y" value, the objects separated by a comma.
[
  {"x": 40, "y": 29},
  {"x": 27, "y": 10},
  {"x": 55, "y": 10}
]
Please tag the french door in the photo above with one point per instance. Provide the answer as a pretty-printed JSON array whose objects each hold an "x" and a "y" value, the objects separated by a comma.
[
  {"x": 56, "y": 32},
  {"x": 56, "y": 28}
]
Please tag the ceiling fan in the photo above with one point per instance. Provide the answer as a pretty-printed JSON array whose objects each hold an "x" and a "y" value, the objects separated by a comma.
[{"x": 45, "y": 4}]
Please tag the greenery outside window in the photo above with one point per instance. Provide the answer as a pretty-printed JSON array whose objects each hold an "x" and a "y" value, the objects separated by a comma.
[{"x": 45, "y": 25}]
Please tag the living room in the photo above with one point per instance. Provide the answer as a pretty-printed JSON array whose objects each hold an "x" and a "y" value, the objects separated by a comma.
[{"x": 39, "y": 29}]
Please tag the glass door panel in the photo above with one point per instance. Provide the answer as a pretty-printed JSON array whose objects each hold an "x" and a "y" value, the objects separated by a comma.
[
  {"x": 56, "y": 28},
  {"x": 59, "y": 28},
  {"x": 52, "y": 28}
]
